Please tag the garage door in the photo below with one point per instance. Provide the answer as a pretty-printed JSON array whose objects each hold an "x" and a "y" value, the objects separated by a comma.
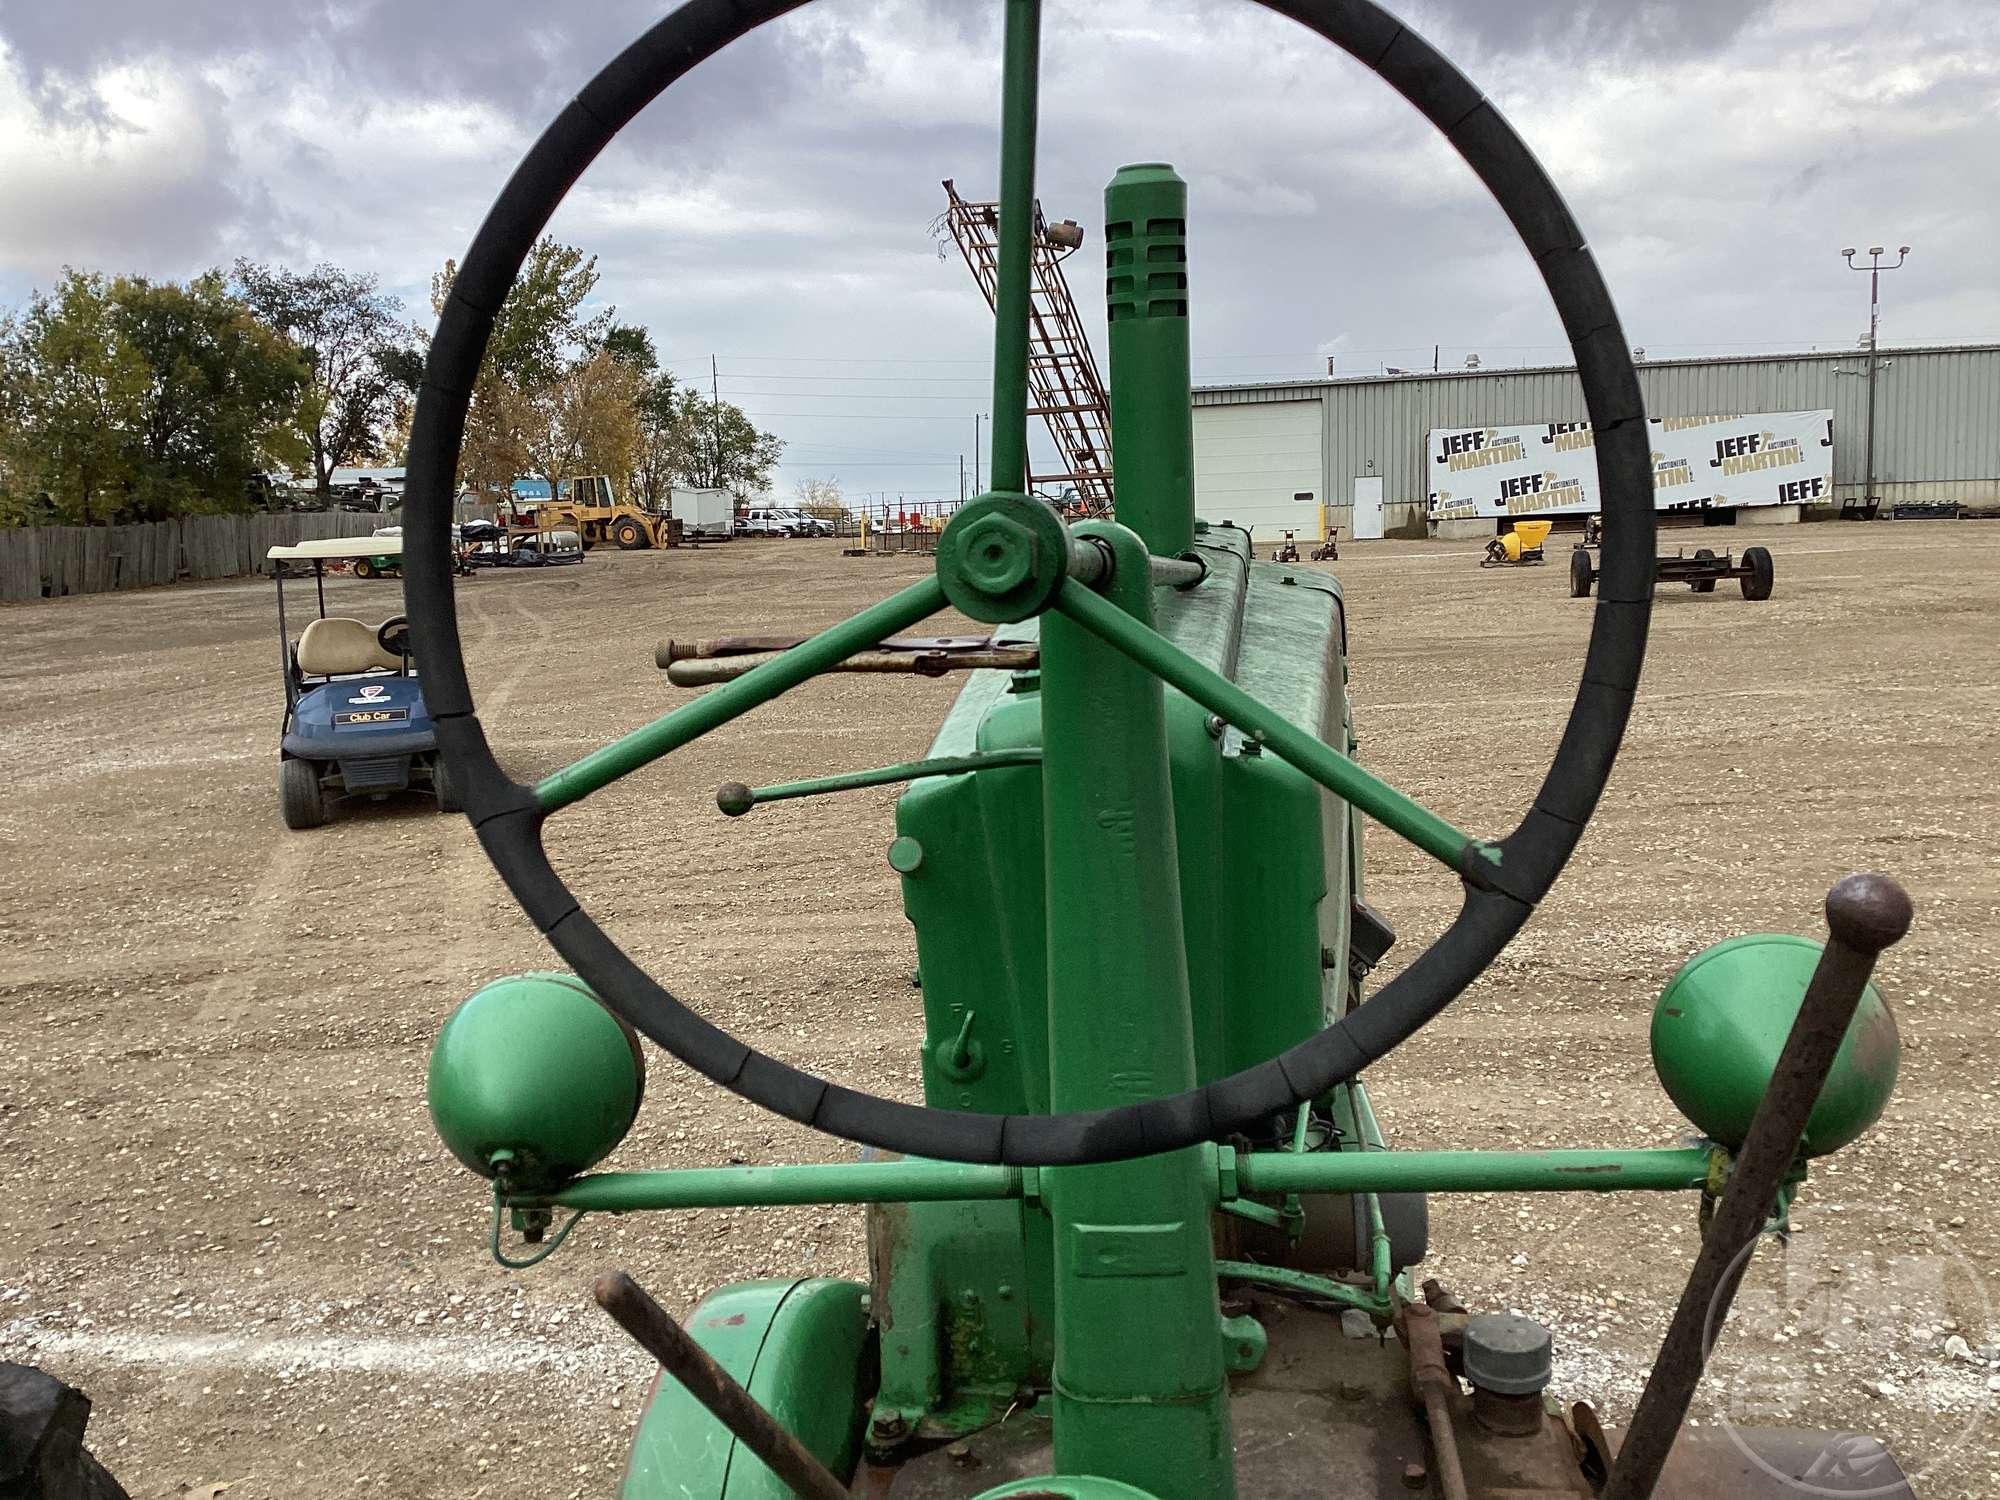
[{"x": 1250, "y": 460}]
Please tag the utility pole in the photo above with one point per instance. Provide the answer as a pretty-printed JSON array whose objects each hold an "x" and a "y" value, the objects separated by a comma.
[
  {"x": 715, "y": 398},
  {"x": 961, "y": 479},
  {"x": 1874, "y": 268},
  {"x": 975, "y": 454}
]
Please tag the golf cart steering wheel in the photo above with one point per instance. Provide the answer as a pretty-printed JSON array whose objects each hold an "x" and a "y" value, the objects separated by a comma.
[
  {"x": 1502, "y": 881},
  {"x": 393, "y": 635}
]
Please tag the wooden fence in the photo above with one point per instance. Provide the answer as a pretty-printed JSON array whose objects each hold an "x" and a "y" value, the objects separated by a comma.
[{"x": 46, "y": 562}]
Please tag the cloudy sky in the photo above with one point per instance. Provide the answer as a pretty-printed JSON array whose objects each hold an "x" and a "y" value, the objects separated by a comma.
[{"x": 773, "y": 211}]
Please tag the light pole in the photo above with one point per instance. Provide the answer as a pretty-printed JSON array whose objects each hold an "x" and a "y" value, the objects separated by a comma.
[{"x": 1874, "y": 268}]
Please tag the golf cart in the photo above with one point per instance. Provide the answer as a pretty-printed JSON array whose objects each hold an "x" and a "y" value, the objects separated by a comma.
[{"x": 355, "y": 720}]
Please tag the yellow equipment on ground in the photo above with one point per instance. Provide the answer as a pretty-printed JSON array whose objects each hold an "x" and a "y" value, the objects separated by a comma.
[
  {"x": 587, "y": 506},
  {"x": 1521, "y": 545}
]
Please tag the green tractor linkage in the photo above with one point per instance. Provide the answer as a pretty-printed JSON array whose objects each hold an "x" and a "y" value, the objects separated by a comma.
[{"x": 1145, "y": 1237}]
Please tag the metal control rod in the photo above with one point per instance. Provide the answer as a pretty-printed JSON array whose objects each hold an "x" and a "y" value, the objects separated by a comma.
[
  {"x": 1864, "y": 914},
  {"x": 707, "y": 671},
  {"x": 705, "y": 1380},
  {"x": 1090, "y": 565}
]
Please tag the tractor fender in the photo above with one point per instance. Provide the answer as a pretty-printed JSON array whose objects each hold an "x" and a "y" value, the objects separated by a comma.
[{"x": 802, "y": 1348}]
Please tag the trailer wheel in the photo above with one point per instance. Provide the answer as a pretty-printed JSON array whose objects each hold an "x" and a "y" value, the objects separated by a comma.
[
  {"x": 1757, "y": 582},
  {"x": 1703, "y": 585},
  {"x": 1579, "y": 574},
  {"x": 628, "y": 534},
  {"x": 300, "y": 797}
]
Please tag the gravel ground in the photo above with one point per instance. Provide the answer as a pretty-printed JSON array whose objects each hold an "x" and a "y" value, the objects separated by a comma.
[{"x": 229, "y": 1221}]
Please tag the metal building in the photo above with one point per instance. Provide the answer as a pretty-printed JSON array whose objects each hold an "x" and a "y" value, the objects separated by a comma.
[{"x": 1272, "y": 453}]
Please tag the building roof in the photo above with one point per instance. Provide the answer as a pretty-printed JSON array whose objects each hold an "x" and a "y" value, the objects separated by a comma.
[{"x": 1323, "y": 382}]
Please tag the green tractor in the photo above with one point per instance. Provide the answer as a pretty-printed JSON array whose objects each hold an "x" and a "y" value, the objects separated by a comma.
[{"x": 1146, "y": 1235}]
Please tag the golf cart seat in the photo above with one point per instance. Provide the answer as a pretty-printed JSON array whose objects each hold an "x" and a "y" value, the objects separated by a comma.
[{"x": 338, "y": 646}]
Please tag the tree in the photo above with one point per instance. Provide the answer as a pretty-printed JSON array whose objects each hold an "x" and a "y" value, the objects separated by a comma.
[
  {"x": 585, "y": 421},
  {"x": 661, "y": 441},
  {"x": 362, "y": 365},
  {"x": 540, "y": 336},
  {"x": 135, "y": 400},
  {"x": 71, "y": 405},
  {"x": 222, "y": 392},
  {"x": 821, "y": 498},
  {"x": 723, "y": 448},
  {"x": 540, "y": 330}
]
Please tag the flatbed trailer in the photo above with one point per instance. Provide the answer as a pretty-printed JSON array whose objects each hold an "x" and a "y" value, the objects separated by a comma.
[{"x": 1700, "y": 572}]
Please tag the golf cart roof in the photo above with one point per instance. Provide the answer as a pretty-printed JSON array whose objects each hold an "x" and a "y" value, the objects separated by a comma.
[{"x": 328, "y": 548}]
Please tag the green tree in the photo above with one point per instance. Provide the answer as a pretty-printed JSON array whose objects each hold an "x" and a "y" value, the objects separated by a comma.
[
  {"x": 660, "y": 446},
  {"x": 362, "y": 362},
  {"x": 72, "y": 406},
  {"x": 540, "y": 336},
  {"x": 585, "y": 421},
  {"x": 721, "y": 447},
  {"x": 541, "y": 329},
  {"x": 221, "y": 397}
]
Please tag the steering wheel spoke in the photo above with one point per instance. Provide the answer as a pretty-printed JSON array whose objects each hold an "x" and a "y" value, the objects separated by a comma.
[
  {"x": 732, "y": 700},
  {"x": 1473, "y": 858}
]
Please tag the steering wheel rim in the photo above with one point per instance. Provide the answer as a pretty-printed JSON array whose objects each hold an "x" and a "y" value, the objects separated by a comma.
[
  {"x": 508, "y": 817},
  {"x": 393, "y": 635}
]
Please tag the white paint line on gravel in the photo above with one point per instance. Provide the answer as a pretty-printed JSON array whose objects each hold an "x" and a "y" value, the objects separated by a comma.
[{"x": 439, "y": 1355}]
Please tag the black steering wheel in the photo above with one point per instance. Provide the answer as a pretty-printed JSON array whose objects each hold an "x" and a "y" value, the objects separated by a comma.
[
  {"x": 393, "y": 635},
  {"x": 1502, "y": 881}
]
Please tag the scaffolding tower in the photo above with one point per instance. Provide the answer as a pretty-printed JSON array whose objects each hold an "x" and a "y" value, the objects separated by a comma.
[{"x": 1064, "y": 388}]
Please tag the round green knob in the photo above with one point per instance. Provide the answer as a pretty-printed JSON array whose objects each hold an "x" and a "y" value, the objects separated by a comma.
[
  {"x": 535, "y": 1067},
  {"x": 1722, "y": 1021}
]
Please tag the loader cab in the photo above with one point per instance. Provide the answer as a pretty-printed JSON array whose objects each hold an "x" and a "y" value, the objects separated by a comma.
[{"x": 587, "y": 489}]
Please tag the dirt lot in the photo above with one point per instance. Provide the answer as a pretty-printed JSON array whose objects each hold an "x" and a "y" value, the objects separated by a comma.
[{"x": 228, "y": 1219}]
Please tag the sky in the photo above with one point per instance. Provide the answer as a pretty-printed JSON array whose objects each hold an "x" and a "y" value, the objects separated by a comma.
[{"x": 773, "y": 212}]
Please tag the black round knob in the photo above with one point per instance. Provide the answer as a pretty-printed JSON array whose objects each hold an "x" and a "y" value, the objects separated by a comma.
[{"x": 1868, "y": 911}]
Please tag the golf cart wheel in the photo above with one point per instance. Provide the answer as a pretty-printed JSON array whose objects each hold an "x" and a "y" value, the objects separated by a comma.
[
  {"x": 443, "y": 788},
  {"x": 1757, "y": 582},
  {"x": 628, "y": 535},
  {"x": 1579, "y": 574},
  {"x": 1703, "y": 585},
  {"x": 364, "y": 567},
  {"x": 300, "y": 796}
]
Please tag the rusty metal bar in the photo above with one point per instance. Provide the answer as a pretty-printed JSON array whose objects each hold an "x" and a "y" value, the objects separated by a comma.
[
  {"x": 705, "y": 1380},
  {"x": 1431, "y": 1383},
  {"x": 706, "y": 671},
  {"x": 1864, "y": 914}
]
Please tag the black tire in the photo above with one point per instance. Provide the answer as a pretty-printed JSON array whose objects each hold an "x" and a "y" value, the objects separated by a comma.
[
  {"x": 443, "y": 787},
  {"x": 1758, "y": 581},
  {"x": 1580, "y": 574},
  {"x": 300, "y": 797},
  {"x": 629, "y": 535},
  {"x": 1703, "y": 585},
  {"x": 364, "y": 568}
]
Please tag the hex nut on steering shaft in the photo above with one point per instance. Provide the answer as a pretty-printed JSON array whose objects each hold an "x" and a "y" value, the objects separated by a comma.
[{"x": 1003, "y": 558}]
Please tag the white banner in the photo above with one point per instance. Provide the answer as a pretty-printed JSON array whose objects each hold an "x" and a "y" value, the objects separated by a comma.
[{"x": 1699, "y": 463}]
